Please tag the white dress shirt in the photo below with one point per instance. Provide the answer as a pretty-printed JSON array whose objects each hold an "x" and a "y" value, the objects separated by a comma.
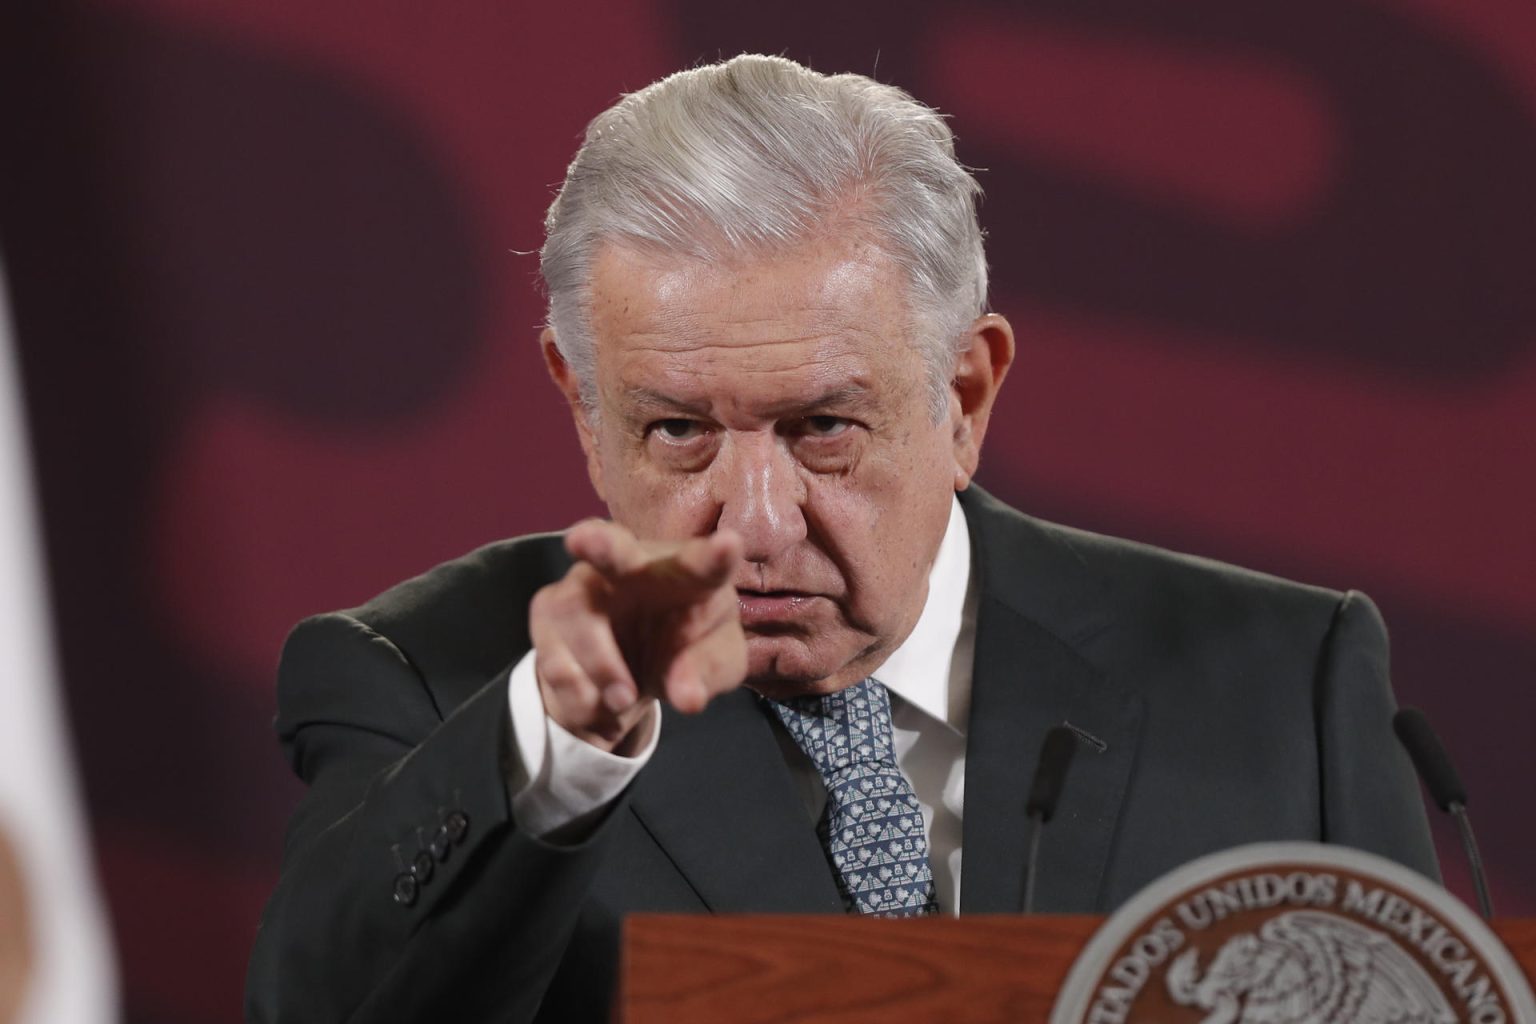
[{"x": 560, "y": 783}]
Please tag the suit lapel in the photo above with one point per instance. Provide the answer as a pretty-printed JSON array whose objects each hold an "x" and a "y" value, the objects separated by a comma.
[
  {"x": 1039, "y": 608},
  {"x": 1026, "y": 681},
  {"x": 718, "y": 798}
]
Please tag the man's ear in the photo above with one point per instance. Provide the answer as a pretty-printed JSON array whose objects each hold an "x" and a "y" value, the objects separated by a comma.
[
  {"x": 979, "y": 373},
  {"x": 565, "y": 379}
]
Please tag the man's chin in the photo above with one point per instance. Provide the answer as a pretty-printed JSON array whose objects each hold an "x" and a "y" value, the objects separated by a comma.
[
  {"x": 778, "y": 688},
  {"x": 781, "y": 667}
]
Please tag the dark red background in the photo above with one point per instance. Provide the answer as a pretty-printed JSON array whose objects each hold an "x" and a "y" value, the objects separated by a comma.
[{"x": 1272, "y": 265}]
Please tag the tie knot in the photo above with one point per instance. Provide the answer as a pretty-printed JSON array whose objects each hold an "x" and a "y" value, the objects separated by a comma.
[{"x": 842, "y": 729}]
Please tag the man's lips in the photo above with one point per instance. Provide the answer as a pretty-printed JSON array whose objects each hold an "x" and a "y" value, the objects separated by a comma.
[{"x": 769, "y": 607}]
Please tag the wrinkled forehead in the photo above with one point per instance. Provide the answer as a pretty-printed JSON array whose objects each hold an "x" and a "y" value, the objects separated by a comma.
[
  {"x": 826, "y": 286},
  {"x": 752, "y": 334}
]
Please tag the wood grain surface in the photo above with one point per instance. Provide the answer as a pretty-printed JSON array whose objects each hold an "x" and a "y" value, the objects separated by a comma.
[{"x": 680, "y": 969}]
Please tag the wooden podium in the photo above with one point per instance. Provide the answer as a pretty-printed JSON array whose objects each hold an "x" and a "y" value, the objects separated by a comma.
[{"x": 752, "y": 969}]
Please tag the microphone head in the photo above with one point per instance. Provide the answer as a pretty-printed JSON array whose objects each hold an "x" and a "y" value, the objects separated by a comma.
[
  {"x": 1429, "y": 757},
  {"x": 1051, "y": 773}
]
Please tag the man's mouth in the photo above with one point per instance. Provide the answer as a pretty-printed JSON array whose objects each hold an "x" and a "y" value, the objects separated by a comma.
[{"x": 768, "y": 608}]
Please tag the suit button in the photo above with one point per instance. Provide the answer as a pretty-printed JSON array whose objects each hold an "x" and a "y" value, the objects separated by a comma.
[
  {"x": 405, "y": 889},
  {"x": 440, "y": 846},
  {"x": 457, "y": 824},
  {"x": 421, "y": 867}
]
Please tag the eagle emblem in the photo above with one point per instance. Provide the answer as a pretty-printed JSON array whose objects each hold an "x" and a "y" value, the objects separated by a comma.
[{"x": 1309, "y": 967}]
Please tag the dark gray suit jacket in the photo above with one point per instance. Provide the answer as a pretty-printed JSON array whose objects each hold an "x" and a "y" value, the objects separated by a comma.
[{"x": 1217, "y": 706}]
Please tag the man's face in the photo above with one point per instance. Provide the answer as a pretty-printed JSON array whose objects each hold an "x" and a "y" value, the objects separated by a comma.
[{"x": 784, "y": 400}]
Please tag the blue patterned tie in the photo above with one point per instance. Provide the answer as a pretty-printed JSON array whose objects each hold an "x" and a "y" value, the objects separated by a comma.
[{"x": 873, "y": 826}]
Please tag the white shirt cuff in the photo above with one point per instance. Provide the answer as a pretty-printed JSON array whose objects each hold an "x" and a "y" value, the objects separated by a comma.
[{"x": 560, "y": 782}]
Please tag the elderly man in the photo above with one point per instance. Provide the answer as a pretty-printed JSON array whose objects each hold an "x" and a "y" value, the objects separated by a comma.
[{"x": 794, "y": 671}]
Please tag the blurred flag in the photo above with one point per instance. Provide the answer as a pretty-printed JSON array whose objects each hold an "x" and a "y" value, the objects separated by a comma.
[{"x": 56, "y": 963}]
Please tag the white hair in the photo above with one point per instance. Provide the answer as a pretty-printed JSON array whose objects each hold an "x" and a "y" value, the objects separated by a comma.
[{"x": 751, "y": 156}]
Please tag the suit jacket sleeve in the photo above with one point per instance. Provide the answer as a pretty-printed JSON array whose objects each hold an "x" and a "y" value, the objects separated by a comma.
[
  {"x": 386, "y": 770},
  {"x": 1370, "y": 797}
]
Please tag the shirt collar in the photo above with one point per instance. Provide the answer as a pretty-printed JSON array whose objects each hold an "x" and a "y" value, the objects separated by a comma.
[{"x": 919, "y": 671}]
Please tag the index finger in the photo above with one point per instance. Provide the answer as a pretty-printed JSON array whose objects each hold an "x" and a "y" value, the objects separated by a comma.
[
  {"x": 701, "y": 562},
  {"x": 607, "y": 547},
  {"x": 705, "y": 562}
]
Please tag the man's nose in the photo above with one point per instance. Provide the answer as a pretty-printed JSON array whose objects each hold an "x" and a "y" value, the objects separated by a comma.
[{"x": 761, "y": 495}]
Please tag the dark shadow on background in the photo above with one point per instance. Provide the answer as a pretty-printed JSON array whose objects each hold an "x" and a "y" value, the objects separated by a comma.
[{"x": 187, "y": 221}]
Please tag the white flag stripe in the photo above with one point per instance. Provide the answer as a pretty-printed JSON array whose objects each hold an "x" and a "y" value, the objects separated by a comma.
[{"x": 73, "y": 978}]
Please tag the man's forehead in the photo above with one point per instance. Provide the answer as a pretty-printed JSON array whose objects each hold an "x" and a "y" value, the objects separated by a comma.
[
  {"x": 827, "y": 280},
  {"x": 820, "y": 326},
  {"x": 770, "y": 375}
]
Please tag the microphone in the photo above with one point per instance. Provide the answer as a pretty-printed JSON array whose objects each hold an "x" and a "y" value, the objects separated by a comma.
[
  {"x": 1044, "y": 792},
  {"x": 1445, "y": 788}
]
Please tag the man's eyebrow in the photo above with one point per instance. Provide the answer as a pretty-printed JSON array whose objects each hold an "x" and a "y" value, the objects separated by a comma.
[
  {"x": 649, "y": 398},
  {"x": 854, "y": 393}
]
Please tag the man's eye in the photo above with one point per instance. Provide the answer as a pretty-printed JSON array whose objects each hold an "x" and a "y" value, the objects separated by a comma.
[
  {"x": 825, "y": 426},
  {"x": 677, "y": 430}
]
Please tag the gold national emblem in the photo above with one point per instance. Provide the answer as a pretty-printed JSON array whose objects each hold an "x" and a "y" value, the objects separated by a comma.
[{"x": 1294, "y": 933}]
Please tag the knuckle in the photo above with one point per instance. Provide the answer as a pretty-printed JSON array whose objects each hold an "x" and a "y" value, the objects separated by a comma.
[
  {"x": 582, "y": 578},
  {"x": 539, "y": 607},
  {"x": 555, "y": 598},
  {"x": 575, "y": 706},
  {"x": 583, "y": 704},
  {"x": 603, "y": 669},
  {"x": 557, "y": 602},
  {"x": 559, "y": 673}
]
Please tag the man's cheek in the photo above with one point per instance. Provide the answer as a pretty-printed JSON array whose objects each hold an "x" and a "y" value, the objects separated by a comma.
[{"x": 671, "y": 506}]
